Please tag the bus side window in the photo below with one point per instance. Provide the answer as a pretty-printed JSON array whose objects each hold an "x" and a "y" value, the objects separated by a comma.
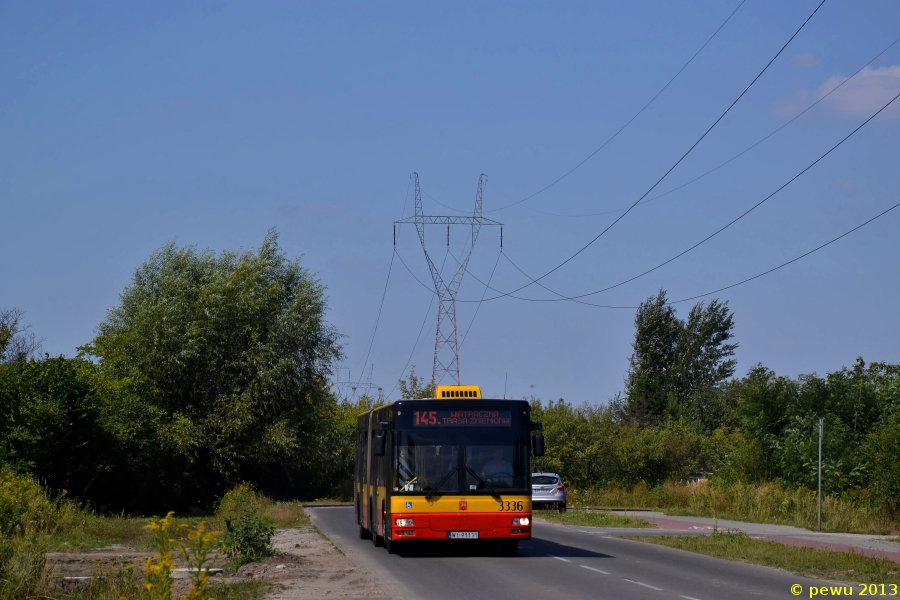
[{"x": 361, "y": 451}]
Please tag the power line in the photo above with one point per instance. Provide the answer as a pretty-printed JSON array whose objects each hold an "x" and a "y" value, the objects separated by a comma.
[
  {"x": 415, "y": 345},
  {"x": 562, "y": 297},
  {"x": 577, "y": 298},
  {"x": 378, "y": 316},
  {"x": 424, "y": 321},
  {"x": 683, "y": 156},
  {"x": 736, "y": 156},
  {"x": 478, "y": 306},
  {"x": 793, "y": 260},
  {"x": 622, "y": 128},
  {"x": 748, "y": 279},
  {"x": 721, "y": 289},
  {"x": 733, "y": 221},
  {"x": 419, "y": 281}
]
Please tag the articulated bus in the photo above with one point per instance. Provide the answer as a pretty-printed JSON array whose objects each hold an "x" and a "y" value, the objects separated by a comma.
[{"x": 454, "y": 467}]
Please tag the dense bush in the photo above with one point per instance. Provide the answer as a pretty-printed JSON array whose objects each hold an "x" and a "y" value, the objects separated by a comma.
[
  {"x": 52, "y": 425},
  {"x": 248, "y": 532},
  {"x": 27, "y": 518},
  {"x": 768, "y": 434}
]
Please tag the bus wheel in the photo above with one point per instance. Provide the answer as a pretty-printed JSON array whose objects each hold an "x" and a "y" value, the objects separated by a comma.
[
  {"x": 363, "y": 532},
  {"x": 509, "y": 547},
  {"x": 389, "y": 544},
  {"x": 376, "y": 539}
]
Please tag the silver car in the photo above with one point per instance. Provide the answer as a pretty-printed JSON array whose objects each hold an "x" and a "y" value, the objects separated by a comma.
[{"x": 548, "y": 490}]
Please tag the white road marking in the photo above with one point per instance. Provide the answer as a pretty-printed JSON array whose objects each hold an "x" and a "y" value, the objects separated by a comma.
[
  {"x": 689, "y": 598},
  {"x": 646, "y": 585},
  {"x": 593, "y": 569},
  {"x": 558, "y": 558}
]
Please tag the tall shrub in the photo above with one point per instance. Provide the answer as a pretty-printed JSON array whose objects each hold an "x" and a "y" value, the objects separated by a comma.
[{"x": 216, "y": 366}]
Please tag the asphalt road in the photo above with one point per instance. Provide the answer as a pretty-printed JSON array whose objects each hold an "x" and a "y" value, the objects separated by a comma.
[{"x": 559, "y": 563}]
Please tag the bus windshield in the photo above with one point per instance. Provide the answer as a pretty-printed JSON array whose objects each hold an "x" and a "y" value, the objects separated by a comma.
[{"x": 498, "y": 458}]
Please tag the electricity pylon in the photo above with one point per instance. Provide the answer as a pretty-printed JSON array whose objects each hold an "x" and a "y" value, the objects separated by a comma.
[{"x": 446, "y": 351}]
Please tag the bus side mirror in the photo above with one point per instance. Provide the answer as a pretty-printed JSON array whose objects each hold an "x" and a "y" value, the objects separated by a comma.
[
  {"x": 537, "y": 444},
  {"x": 378, "y": 444}
]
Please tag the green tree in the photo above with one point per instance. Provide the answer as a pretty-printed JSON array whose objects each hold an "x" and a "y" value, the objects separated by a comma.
[
  {"x": 16, "y": 341},
  {"x": 883, "y": 448},
  {"x": 415, "y": 387},
  {"x": 217, "y": 366},
  {"x": 677, "y": 363},
  {"x": 779, "y": 417},
  {"x": 650, "y": 380}
]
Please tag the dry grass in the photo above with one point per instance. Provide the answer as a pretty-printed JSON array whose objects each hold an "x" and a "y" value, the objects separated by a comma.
[
  {"x": 89, "y": 530},
  {"x": 82, "y": 530},
  {"x": 766, "y": 503},
  {"x": 287, "y": 514},
  {"x": 807, "y": 562},
  {"x": 591, "y": 519},
  {"x": 328, "y": 501},
  {"x": 32, "y": 524}
]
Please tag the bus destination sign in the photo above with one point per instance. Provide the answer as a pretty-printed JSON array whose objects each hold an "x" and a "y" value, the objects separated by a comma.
[{"x": 462, "y": 418}]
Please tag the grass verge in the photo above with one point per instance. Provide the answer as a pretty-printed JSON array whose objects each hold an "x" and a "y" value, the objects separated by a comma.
[
  {"x": 111, "y": 587},
  {"x": 327, "y": 501},
  {"x": 89, "y": 530},
  {"x": 243, "y": 590},
  {"x": 591, "y": 519},
  {"x": 760, "y": 503},
  {"x": 287, "y": 514},
  {"x": 86, "y": 530},
  {"x": 807, "y": 562}
]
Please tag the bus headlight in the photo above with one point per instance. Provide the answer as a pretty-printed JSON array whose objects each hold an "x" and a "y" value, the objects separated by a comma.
[
  {"x": 521, "y": 521},
  {"x": 403, "y": 522}
]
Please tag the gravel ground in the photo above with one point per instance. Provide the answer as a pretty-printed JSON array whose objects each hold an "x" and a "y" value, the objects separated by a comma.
[{"x": 307, "y": 566}]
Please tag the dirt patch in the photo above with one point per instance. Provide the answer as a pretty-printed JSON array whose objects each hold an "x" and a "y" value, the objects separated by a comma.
[
  {"x": 310, "y": 567},
  {"x": 307, "y": 567}
]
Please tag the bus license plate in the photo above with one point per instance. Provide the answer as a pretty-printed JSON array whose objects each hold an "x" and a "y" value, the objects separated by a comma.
[{"x": 462, "y": 535}]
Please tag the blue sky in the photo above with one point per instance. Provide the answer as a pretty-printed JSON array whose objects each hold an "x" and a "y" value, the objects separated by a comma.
[{"x": 125, "y": 125}]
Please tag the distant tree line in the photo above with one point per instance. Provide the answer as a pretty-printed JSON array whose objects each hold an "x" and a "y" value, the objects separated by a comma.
[
  {"x": 213, "y": 369},
  {"x": 683, "y": 415}
]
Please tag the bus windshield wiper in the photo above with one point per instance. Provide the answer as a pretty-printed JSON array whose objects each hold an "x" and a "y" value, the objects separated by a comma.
[
  {"x": 493, "y": 492},
  {"x": 441, "y": 482}
]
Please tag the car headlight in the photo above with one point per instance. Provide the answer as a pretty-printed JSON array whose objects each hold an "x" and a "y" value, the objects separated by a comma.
[
  {"x": 521, "y": 521},
  {"x": 403, "y": 522}
]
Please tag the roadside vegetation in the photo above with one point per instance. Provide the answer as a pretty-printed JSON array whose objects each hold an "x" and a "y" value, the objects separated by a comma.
[
  {"x": 824, "y": 565},
  {"x": 32, "y": 524},
  {"x": 214, "y": 369},
  {"x": 687, "y": 437},
  {"x": 591, "y": 519}
]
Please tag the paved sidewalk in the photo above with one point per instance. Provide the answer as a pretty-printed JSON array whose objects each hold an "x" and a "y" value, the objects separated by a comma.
[{"x": 876, "y": 546}]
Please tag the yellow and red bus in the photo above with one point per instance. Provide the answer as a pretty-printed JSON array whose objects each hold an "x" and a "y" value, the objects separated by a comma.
[{"x": 453, "y": 467}]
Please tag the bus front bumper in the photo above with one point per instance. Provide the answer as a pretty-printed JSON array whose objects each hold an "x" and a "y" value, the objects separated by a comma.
[{"x": 442, "y": 526}]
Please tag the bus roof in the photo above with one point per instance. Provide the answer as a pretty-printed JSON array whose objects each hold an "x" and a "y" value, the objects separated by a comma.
[{"x": 443, "y": 392}]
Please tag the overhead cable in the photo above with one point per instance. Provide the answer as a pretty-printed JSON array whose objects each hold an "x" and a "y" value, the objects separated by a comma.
[
  {"x": 378, "y": 316},
  {"x": 710, "y": 236},
  {"x": 672, "y": 168},
  {"x": 621, "y": 129},
  {"x": 383, "y": 294},
  {"x": 736, "y": 156},
  {"x": 743, "y": 281},
  {"x": 478, "y": 306}
]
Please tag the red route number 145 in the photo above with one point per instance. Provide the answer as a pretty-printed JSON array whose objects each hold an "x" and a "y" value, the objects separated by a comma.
[{"x": 426, "y": 417}]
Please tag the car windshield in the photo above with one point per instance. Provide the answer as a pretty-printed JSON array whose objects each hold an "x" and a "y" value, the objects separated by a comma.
[
  {"x": 543, "y": 480},
  {"x": 499, "y": 461}
]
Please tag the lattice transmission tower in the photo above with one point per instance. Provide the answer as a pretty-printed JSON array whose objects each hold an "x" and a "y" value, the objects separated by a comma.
[{"x": 446, "y": 349}]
